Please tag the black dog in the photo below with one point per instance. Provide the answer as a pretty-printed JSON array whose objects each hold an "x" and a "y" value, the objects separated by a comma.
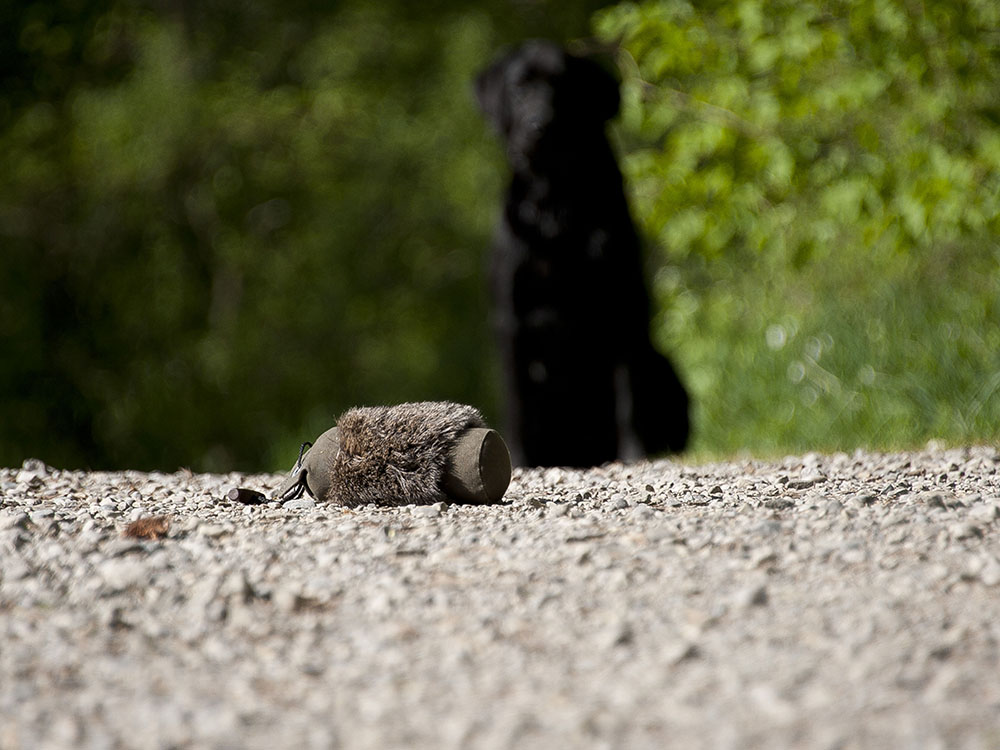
[{"x": 583, "y": 383}]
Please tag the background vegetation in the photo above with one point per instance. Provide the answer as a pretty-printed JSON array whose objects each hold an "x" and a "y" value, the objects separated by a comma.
[
  {"x": 222, "y": 224},
  {"x": 824, "y": 182}
]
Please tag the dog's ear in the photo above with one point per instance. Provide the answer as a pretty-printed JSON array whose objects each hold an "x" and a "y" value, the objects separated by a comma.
[
  {"x": 596, "y": 86},
  {"x": 491, "y": 94}
]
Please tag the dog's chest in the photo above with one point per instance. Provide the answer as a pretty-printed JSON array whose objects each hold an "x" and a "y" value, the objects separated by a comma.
[
  {"x": 558, "y": 221},
  {"x": 562, "y": 247},
  {"x": 577, "y": 280}
]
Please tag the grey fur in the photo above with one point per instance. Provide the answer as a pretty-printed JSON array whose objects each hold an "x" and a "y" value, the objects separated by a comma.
[{"x": 396, "y": 455}]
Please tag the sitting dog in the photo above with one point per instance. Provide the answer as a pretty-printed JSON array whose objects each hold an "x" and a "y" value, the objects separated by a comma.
[{"x": 583, "y": 384}]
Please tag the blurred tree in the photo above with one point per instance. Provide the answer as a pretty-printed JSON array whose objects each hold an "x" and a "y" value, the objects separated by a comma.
[
  {"x": 224, "y": 222},
  {"x": 823, "y": 179}
]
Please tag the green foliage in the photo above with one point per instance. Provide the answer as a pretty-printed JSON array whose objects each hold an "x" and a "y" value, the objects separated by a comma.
[{"x": 823, "y": 182}]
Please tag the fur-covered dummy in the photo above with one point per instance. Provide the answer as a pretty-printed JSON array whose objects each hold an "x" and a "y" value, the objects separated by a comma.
[
  {"x": 416, "y": 453},
  {"x": 397, "y": 455}
]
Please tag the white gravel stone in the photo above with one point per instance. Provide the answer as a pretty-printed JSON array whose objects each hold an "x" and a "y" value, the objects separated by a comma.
[
  {"x": 300, "y": 503},
  {"x": 428, "y": 511},
  {"x": 120, "y": 573}
]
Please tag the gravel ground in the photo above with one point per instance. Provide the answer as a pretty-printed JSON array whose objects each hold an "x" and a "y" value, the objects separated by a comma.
[{"x": 827, "y": 601}]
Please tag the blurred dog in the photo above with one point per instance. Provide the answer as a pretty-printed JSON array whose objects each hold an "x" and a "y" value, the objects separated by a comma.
[{"x": 583, "y": 383}]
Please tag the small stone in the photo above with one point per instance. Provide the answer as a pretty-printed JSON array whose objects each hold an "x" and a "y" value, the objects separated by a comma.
[
  {"x": 964, "y": 530},
  {"x": 304, "y": 502},
  {"x": 990, "y": 573},
  {"x": 14, "y": 569},
  {"x": 938, "y": 572},
  {"x": 681, "y": 651},
  {"x": 32, "y": 473},
  {"x": 31, "y": 481},
  {"x": 767, "y": 528},
  {"x": 286, "y": 599},
  {"x": 643, "y": 512},
  {"x": 764, "y": 557},
  {"x": 751, "y": 596},
  {"x": 429, "y": 511},
  {"x": 618, "y": 501},
  {"x": 984, "y": 514},
  {"x": 201, "y": 595},
  {"x": 213, "y": 530},
  {"x": 216, "y": 610},
  {"x": 122, "y": 546},
  {"x": 554, "y": 475},
  {"x": 119, "y": 574},
  {"x": 805, "y": 482},
  {"x": 237, "y": 586},
  {"x": 17, "y": 519},
  {"x": 115, "y": 619},
  {"x": 853, "y": 554},
  {"x": 779, "y": 503},
  {"x": 37, "y": 466},
  {"x": 932, "y": 499},
  {"x": 620, "y": 634}
]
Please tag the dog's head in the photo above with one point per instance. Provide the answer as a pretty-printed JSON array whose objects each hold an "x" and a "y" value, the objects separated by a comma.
[{"x": 542, "y": 100}]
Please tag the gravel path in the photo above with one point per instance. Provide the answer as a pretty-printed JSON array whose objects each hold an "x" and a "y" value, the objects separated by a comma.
[{"x": 840, "y": 601}]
